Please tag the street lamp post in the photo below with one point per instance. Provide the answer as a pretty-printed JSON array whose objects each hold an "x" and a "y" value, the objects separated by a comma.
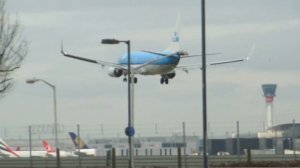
[
  {"x": 129, "y": 131},
  {"x": 33, "y": 80},
  {"x": 204, "y": 97}
]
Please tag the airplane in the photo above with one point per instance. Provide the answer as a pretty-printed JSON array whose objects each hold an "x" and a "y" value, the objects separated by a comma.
[
  {"x": 47, "y": 147},
  {"x": 52, "y": 152},
  {"x": 81, "y": 147},
  {"x": 144, "y": 62},
  {"x": 7, "y": 151}
]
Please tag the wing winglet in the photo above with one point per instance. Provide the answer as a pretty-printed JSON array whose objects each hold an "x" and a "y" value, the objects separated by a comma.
[
  {"x": 75, "y": 57},
  {"x": 251, "y": 52},
  {"x": 62, "y": 48}
]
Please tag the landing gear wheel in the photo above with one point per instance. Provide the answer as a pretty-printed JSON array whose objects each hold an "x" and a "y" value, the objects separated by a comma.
[
  {"x": 135, "y": 80},
  {"x": 166, "y": 81},
  {"x": 161, "y": 80}
]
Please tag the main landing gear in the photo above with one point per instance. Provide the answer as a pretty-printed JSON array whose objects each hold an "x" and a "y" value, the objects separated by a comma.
[
  {"x": 164, "y": 79},
  {"x": 134, "y": 79}
]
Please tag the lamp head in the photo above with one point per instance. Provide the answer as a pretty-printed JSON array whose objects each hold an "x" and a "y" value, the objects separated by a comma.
[
  {"x": 32, "y": 80},
  {"x": 110, "y": 41}
]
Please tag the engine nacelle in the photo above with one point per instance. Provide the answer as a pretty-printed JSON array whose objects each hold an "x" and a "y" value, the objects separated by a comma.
[
  {"x": 171, "y": 75},
  {"x": 183, "y": 52},
  {"x": 115, "y": 72}
]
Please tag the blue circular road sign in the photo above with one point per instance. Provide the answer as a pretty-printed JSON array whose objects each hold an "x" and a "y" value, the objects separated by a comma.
[{"x": 129, "y": 131}]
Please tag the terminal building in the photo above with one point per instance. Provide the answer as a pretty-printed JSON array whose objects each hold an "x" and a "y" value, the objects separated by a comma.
[
  {"x": 157, "y": 145},
  {"x": 279, "y": 139}
]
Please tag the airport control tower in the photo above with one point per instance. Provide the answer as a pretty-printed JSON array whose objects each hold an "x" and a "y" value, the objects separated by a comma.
[{"x": 269, "y": 93}]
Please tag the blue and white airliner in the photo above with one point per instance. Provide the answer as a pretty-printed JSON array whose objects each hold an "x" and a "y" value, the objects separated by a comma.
[{"x": 143, "y": 62}]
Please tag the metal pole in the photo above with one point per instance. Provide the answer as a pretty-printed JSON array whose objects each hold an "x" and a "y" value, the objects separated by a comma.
[
  {"x": 57, "y": 157},
  {"x": 184, "y": 143},
  {"x": 294, "y": 140},
  {"x": 179, "y": 157},
  {"x": 276, "y": 142},
  {"x": 204, "y": 84},
  {"x": 30, "y": 145},
  {"x": 132, "y": 117},
  {"x": 130, "y": 127},
  {"x": 78, "y": 145},
  {"x": 55, "y": 111},
  {"x": 55, "y": 116},
  {"x": 238, "y": 140},
  {"x": 113, "y": 157},
  {"x": 30, "y": 81}
]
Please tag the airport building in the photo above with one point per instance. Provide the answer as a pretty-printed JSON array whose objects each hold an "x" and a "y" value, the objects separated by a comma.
[
  {"x": 277, "y": 139},
  {"x": 157, "y": 145},
  {"x": 281, "y": 140}
]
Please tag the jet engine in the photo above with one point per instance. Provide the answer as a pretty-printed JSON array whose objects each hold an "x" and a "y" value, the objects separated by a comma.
[
  {"x": 171, "y": 75},
  {"x": 115, "y": 72}
]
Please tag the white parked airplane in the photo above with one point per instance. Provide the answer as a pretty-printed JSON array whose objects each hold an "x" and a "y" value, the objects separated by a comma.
[
  {"x": 80, "y": 146},
  {"x": 143, "y": 62},
  {"x": 52, "y": 152},
  {"x": 7, "y": 151}
]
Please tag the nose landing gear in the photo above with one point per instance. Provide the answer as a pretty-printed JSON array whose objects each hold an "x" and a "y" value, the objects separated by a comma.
[{"x": 134, "y": 79}]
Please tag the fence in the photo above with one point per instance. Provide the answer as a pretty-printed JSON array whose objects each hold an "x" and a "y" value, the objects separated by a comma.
[
  {"x": 139, "y": 162},
  {"x": 46, "y": 131}
]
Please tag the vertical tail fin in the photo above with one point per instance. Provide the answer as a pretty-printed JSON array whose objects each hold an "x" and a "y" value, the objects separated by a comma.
[
  {"x": 77, "y": 141},
  {"x": 174, "y": 45},
  {"x": 47, "y": 147},
  {"x": 6, "y": 148}
]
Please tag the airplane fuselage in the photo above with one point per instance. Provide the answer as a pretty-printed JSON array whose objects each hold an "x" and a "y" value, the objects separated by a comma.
[{"x": 161, "y": 64}]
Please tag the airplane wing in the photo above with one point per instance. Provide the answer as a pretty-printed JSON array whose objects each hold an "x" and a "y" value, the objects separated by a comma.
[
  {"x": 110, "y": 64},
  {"x": 102, "y": 63},
  {"x": 186, "y": 68},
  {"x": 182, "y": 55},
  {"x": 228, "y": 61}
]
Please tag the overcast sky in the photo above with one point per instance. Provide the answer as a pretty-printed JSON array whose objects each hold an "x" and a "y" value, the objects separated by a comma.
[{"x": 86, "y": 95}]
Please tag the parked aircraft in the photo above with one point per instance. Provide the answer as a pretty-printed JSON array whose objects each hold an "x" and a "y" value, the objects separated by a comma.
[
  {"x": 81, "y": 147},
  {"x": 52, "y": 152},
  {"x": 7, "y": 151},
  {"x": 143, "y": 62}
]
